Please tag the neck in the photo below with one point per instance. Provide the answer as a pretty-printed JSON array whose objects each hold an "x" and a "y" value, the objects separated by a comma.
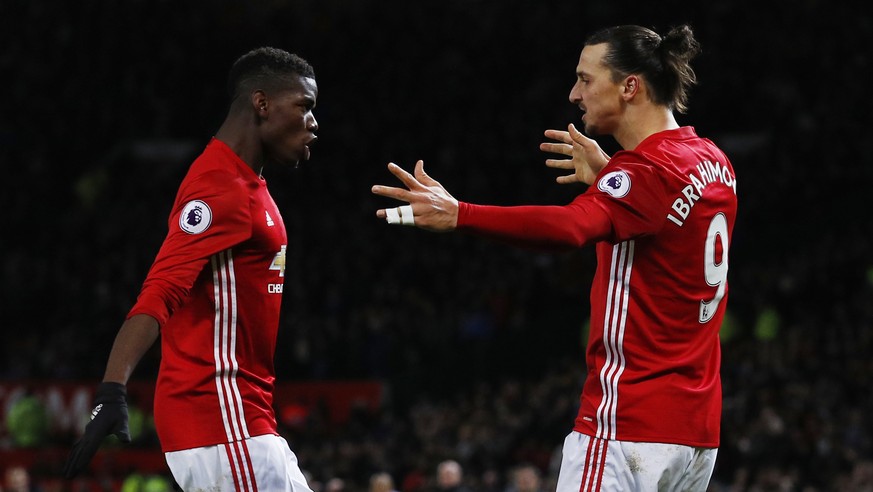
[
  {"x": 238, "y": 134},
  {"x": 640, "y": 123}
]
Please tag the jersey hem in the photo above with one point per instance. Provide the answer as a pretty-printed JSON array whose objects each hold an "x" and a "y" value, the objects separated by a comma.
[
  {"x": 657, "y": 440},
  {"x": 182, "y": 446}
]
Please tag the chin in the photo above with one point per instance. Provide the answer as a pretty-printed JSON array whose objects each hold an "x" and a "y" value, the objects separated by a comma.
[
  {"x": 595, "y": 130},
  {"x": 292, "y": 157}
]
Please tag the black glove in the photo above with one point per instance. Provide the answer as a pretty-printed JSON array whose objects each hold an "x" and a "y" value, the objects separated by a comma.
[{"x": 108, "y": 417}]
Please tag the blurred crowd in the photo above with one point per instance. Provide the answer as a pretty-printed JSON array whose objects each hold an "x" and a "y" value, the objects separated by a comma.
[{"x": 481, "y": 345}]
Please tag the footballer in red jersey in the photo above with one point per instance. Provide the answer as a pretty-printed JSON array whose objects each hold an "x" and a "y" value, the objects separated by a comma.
[
  {"x": 214, "y": 293},
  {"x": 660, "y": 214}
]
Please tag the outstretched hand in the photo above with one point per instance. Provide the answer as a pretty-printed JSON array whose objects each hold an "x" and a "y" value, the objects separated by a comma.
[
  {"x": 586, "y": 157},
  {"x": 430, "y": 206}
]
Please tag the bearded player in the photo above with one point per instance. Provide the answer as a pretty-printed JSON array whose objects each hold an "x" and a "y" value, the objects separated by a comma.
[
  {"x": 660, "y": 213},
  {"x": 214, "y": 293}
]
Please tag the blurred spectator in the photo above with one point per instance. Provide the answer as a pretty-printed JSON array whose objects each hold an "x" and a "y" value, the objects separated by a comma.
[
  {"x": 526, "y": 478},
  {"x": 450, "y": 477},
  {"x": 335, "y": 485},
  {"x": 17, "y": 479},
  {"x": 381, "y": 482}
]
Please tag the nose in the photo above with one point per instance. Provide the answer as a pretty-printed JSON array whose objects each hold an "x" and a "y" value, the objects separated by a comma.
[
  {"x": 575, "y": 96},
  {"x": 312, "y": 125}
]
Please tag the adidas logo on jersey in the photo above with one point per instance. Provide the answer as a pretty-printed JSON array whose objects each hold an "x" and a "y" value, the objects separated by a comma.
[{"x": 269, "y": 219}]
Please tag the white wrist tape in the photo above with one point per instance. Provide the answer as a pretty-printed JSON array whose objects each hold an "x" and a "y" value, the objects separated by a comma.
[{"x": 400, "y": 215}]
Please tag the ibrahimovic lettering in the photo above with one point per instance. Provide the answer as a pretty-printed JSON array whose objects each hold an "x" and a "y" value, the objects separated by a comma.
[{"x": 707, "y": 173}]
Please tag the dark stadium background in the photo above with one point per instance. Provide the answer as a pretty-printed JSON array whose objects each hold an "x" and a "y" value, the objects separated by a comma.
[{"x": 475, "y": 347}]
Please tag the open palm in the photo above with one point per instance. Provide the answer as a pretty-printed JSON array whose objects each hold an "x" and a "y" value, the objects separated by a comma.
[{"x": 586, "y": 156}]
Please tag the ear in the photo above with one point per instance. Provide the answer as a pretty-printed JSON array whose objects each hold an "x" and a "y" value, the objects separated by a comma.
[
  {"x": 632, "y": 85},
  {"x": 260, "y": 102}
]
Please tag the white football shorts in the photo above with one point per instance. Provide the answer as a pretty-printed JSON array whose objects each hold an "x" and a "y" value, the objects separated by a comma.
[
  {"x": 261, "y": 463},
  {"x": 590, "y": 464}
]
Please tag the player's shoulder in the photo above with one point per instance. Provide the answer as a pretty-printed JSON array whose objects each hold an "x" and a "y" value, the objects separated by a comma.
[
  {"x": 659, "y": 162},
  {"x": 213, "y": 160},
  {"x": 626, "y": 172},
  {"x": 632, "y": 160},
  {"x": 216, "y": 168},
  {"x": 211, "y": 180},
  {"x": 631, "y": 164},
  {"x": 670, "y": 153}
]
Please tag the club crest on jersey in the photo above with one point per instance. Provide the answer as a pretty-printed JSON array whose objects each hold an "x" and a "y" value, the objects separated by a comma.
[
  {"x": 617, "y": 184},
  {"x": 196, "y": 217}
]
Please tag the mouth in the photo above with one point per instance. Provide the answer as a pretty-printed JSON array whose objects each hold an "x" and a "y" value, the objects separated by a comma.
[{"x": 306, "y": 147}]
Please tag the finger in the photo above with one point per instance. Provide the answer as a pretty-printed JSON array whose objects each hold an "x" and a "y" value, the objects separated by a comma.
[
  {"x": 570, "y": 178},
  {"x": 406, "y": 178},
  {"x": 560, "y": 163},
  {"x": 558, "y": 135},
  {"x": 422, "y": 176},
  {"x": 577, "y": 137},
  {"x": 589, "y": 145},
  {"x": 71, "y": 467},
  {"x": 80, "y": 456},
  {"x": 123, "y": 435},
  {"x": 400, "y": 215},
  {"x": 557, "y": 148},
  {"x": 392, "y": 192},
  {"x": 121, "y": 428}
]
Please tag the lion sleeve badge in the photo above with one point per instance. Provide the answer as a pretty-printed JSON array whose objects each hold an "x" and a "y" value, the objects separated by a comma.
[
  {"x": 617, "y": 184},
  {"x": 196, "y": 217}
]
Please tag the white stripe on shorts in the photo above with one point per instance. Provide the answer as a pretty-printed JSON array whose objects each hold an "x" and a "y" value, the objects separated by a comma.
[
  {"x": 273, "y": 467},
  {"x": 591, "y": 464}
]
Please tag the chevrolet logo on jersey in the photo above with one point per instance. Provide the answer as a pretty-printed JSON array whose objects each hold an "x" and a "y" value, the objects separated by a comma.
[{"x": 279, "y": 262}]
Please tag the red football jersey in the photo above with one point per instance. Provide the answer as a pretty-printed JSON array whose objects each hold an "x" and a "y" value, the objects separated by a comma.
[
  {"x": 662, "y": 217},
  {"x": 216, "y": 289}
]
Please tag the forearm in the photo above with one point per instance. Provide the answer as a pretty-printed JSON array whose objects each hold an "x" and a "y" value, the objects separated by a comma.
[
  {"x": 545, "y": 227},
  {"x": 136, "y": 335}
]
